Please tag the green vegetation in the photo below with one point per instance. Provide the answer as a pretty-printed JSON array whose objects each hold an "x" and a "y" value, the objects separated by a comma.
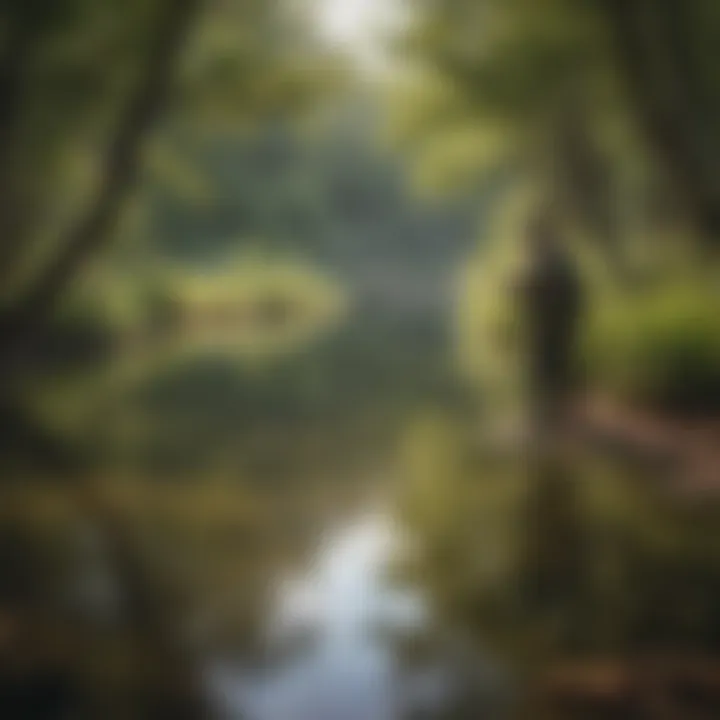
[
  {"x": 593, "y": 109},
  {"x": 229, "y": 287},
  {"x": 660, "y": 348},
  {"x": 570, "y": 564},
  {"x": 252, "y": 301}
]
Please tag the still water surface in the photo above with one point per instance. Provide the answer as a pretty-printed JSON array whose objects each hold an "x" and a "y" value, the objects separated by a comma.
[{"x": 333, "y": 639}]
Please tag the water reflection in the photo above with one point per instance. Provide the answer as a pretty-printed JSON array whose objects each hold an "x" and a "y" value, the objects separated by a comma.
[
  {"x": 334, "y": 637},
  {"x": 244, "y": 538}
]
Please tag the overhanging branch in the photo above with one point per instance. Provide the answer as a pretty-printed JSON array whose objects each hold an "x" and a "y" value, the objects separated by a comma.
[{"x": 118, "y": 175}]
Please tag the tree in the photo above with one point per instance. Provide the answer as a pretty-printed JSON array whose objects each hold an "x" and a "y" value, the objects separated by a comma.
[
  {"x": 89, "y": 80},
  {"x": 82, "y": 87},
  {"x": 579, "y": 95},
  {"x": 119, "y": 166},
  {"x": 663, "y": 54}
]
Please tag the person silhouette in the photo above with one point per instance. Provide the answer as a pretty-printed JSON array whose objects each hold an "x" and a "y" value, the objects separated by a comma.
[{"x": 550, "y": 305}]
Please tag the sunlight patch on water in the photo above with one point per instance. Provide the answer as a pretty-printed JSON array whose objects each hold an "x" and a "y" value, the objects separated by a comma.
[{"x": 330, "y": 635}]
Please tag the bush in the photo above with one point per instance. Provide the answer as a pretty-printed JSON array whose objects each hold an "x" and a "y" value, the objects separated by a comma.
[{"x": 661, "y": 349}]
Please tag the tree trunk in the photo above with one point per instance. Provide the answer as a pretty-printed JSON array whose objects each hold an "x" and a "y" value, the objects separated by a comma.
[
  {"x": 660, "y": 80},
  {"x": 13, "y": 91},
  {"x": 120, "y": 170}
]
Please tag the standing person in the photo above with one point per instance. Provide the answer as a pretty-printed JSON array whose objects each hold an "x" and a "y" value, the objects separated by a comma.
[{"x": 550, "y": 305}]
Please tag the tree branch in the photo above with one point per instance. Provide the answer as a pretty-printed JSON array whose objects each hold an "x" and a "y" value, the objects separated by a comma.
[{"x": 119, "y": 173}]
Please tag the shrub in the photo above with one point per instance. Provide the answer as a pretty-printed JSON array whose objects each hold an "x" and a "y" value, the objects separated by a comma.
[{"x": 661, "y": 349}]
